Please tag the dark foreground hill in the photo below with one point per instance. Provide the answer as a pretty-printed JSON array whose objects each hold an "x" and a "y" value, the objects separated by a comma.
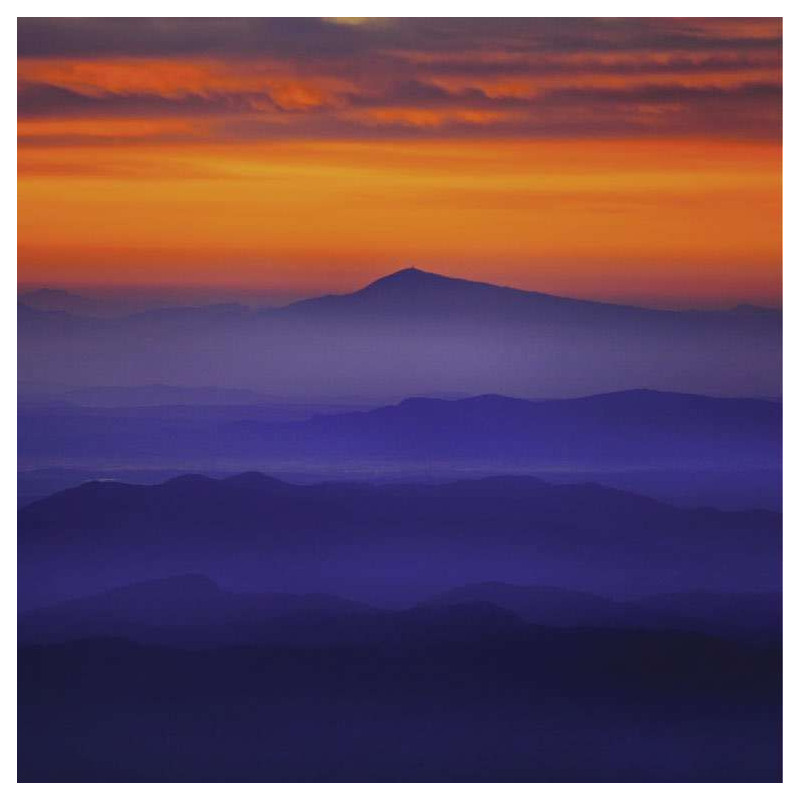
[
  {"x": 388, "y": 542},
  {"x": 751, "y": 616},
  {"x": 536, "y": 706},
  {"x": 273, "y": 687}
]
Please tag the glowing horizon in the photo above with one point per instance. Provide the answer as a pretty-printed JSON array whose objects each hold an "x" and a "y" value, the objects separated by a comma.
[{"x": 630, "y": 161}]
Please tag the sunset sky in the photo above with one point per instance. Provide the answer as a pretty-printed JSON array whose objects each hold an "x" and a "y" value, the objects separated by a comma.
[{"x": 634, "y": 160}]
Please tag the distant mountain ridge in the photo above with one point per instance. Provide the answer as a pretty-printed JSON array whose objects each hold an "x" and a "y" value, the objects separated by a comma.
[
  {"x": 639, "y": 428},
  {"x": 415, "y": 293},
  {"x": 409, "y": 284},
  {"x": 409, "y": 333},
  {"x": 409, "y": 292}
]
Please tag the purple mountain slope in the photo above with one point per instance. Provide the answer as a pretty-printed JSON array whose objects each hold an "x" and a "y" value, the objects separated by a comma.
[
  {"x": 388, "y": 542},
  {"x": 414, "y": 332}
]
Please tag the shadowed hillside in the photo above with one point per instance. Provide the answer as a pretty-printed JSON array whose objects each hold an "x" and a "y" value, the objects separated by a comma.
[
  {"x": 377, "y": 542},
  {"x": 192, "y": 610}
]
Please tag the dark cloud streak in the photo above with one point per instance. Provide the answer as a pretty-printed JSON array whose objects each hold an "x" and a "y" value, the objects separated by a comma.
[
  {"x": 634, "y": 76},
  {"x": 314, "y": 38}
]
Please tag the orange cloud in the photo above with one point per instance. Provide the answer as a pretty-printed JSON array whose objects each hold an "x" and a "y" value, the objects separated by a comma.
[
  {"x": 429, "y": 117},
  {"x": 173, "y": 77}
]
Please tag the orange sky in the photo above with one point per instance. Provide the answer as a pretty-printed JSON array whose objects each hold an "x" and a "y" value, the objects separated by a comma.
[{"x": 646, "y": 175}]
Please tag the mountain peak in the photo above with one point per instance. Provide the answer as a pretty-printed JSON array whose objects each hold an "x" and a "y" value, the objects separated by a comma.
[
  {"x": 410, "y": 276},
  {"x": 407, "y": 272},
  {"x": 413, "y": 291}
]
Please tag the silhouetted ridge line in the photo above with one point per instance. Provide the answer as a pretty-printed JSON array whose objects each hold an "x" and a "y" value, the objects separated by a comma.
[
  {"x": 259, "y": 482},
  {"x": 413, "y": 285},
  {"x": 373, "y": 541},
  {"x": 193, "y": 607}
]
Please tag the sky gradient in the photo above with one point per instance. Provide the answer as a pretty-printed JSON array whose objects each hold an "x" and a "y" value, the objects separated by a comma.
[{"x": 636, "y": 160}]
